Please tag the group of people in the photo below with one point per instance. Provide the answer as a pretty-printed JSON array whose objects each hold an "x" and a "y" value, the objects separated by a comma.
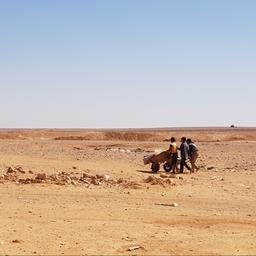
[{"x": 188, "y": 155}]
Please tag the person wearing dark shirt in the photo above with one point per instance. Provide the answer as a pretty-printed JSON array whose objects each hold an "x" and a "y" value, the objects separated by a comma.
[
  {"x": 184, "y": 155},
  {"x": 193, "y": 154}
]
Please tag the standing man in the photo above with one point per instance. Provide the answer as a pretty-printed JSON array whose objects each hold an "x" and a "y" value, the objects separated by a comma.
[
  {"x": 193, "y": 154},
  {"x": 173, "y": 149},
  {"x": 184, "y": 155}
]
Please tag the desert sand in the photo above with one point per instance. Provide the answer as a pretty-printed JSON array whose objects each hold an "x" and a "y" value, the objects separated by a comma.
[{"x": 87, "y": 192}]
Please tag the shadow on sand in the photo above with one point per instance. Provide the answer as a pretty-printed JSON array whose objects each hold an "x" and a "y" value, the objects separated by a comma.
[{"x": 142, "y": 171}]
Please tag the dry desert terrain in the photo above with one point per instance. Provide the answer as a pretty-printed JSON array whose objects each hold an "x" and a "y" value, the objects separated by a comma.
[{"x": 87, "y": 192}]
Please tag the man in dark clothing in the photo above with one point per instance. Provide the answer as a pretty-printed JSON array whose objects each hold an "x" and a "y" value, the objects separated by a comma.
[
  {"x": 193, "y": 154},
  {"x": 184, "y": 155}
]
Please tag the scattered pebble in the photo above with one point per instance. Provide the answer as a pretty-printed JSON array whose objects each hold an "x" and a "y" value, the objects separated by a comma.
[
  {"x": 133, "y": 248},
  {"x": 16, "y": 241},
  {"x": 168, "y": 205}
]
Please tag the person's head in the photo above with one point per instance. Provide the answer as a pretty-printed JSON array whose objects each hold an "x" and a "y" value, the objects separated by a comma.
[
  {"x": 183, "y": 139},
  {"x": 173, "y": 139},
  {"x": 189, "y": 141}
]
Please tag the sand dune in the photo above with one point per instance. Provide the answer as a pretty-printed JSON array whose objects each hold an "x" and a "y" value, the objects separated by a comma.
[{"x": 198, "y": 134}]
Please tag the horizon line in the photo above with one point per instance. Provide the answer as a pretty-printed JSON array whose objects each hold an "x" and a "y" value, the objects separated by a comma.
[{"x": 128, "y": 128}]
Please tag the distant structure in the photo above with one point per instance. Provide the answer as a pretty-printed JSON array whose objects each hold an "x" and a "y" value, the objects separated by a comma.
[{"x": 232, "y": 126}]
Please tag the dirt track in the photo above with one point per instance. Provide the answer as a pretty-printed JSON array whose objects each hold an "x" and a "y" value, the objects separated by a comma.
[{"x": 215, "y": 213}]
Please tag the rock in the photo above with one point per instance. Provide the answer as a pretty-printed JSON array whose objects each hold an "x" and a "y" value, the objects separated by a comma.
[
  {"x": 66, "y": 180},
  {"x": 10, "y": 170},
  {"x": 131, "y": 185},
  {"x": 210, "y": 168},
  {"x": 16, "y": 241},
  {"x": 119, "y": 181},
  {"x": 77, "y": 148},
  {"x": 98, "y": 176},
  {"x": 132, "y": 248},
  {"x": 25, "y": 181},
  {"x": 62, "y": 183},
  {"x": 168, "y": 205},
  {"x": 106, "y": 177},
  {"x": 19, "y": 169},
  {"x": 95, "y": 182},
  {"x": 53, "y": 177},
  {"x": 40, "y": 176},
  {"x": 138, "y": 150},
  {"x": 85, "y": 175}
]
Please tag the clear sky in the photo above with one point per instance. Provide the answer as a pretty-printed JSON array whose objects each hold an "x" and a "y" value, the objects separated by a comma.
[{"x": 127, "y": 63}]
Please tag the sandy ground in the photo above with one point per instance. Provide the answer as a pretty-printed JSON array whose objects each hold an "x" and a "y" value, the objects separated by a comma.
[{"x": 216, "y": 212}]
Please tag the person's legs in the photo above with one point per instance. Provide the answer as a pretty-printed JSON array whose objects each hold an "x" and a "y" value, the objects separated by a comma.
[
  {"x": 182, "y": 161},
  {"x": 186, "y": 164},
  {"x": 193, "y": 162},
  {"x": 174, "y": 162}
]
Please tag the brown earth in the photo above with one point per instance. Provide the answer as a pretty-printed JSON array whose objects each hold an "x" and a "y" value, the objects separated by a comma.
[{"x": 88, "y": 192}]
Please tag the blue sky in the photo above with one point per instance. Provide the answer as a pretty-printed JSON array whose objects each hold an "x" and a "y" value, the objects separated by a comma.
[{"x": 127, "y": 63}]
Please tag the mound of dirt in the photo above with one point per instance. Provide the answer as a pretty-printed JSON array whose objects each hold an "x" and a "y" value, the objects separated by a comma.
[
  {"x": 130, "y": 136},
  {"x": 60, "y": 178},
  {"x": 113, "y": 135},
  {"x": 19, "y": 176},
  {"x": 166, "y": 181}
]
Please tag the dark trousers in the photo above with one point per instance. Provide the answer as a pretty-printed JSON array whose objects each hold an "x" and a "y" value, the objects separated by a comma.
[{"x": 182, "y": 164}]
